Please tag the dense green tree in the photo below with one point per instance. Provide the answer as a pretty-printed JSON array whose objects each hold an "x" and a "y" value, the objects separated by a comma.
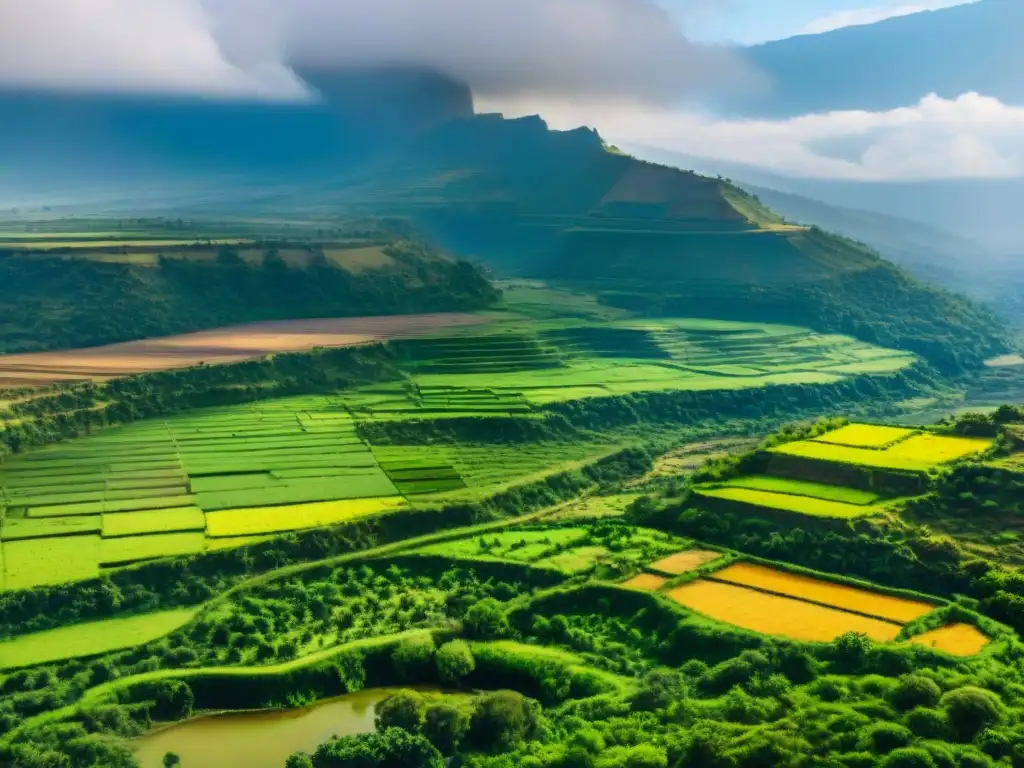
[
  {"x": 971, "y": 709},
  {"x": 445, "y": 725},
  {"x": 909, "y": 757},
  {"x": 915, "y": 691},
  {"x": 171, "y": 760},
  {"x": 413, "y": 658},
  {"x": 487, "y": 620},
  {"x": 501, "y": 719},
  {"x": 454, "y": 661},
  {"x": 404, "y": 709},
  {"x": 393, "y": 748},
  {"x": 299, "y": 760}
]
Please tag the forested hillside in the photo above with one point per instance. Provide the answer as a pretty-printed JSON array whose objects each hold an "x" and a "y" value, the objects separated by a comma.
[{"x": 51, "y": 301}]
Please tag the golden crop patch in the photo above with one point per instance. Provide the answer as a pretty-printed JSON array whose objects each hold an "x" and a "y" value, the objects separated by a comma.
[
  {"x": 836, "y": 595},
  {"x": 956, "y": 639},
  {"x": 684, "y": 562},
  {"x": 774, "y": 615},
  {"x": 865, "y": 436},
  {"x": 645, "y": 581}
]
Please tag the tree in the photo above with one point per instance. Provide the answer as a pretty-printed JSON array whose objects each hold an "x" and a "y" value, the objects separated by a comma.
[
  {"x": 393, "y": 748},
  {"x": 850, "y": 649},
  {"x": 487, "y": 620},
  {"x": 908, "y": 757},
  {"x": 915, "y": 691},
  {"x": 171, "y": 760},
  {"x": 404, "y": 709},
  {"x": 646, "y": 756},
  {"x": 658, "y": 689},
  {"x": 445, "y": 725},
  {"x": 454, "y": 661},
  {"x": 413, "y": 656},
  {"x": 971, "y": 710},
  {"x": 502, "y": 719},
  {"x": 299, "y": 760}
]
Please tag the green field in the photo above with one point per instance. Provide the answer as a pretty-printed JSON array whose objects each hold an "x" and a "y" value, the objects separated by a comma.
[
  {"x": 793, "y": 487},
  {"x": 91, "y": 638},
  {"x": 803, "y": 505},
  {"x": 917, "y": 453}
]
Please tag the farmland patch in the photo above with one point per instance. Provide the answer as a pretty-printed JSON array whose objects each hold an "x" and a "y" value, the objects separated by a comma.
[
  {"x": 801, "y": 505},
  {"x": 684, "y": 562},
  {"x": 956, "y": 639},
  {"x": 645, "y": 581}
]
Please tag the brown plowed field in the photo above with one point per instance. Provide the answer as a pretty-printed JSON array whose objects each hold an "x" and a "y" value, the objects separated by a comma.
[{"x": 218, "y": 346}]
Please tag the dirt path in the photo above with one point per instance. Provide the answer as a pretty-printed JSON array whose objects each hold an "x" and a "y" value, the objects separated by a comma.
[{"x": 220, "y": 345}]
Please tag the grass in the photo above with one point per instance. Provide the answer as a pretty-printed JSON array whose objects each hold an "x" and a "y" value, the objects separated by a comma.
[
  {"x": 131, "y": 549},
  {"x": 55, "y": 560},
  {"x": 842, "y": 596},
  {"x": 155, "y": 521},
  {"x": 801, "y": 505},
  {"x": 90, "y": 639},
  {"x": 260, "y": 520},
  {"x": 792, "y": 487},
  {"x": 775, "y": 615},
  {"x": 918, "y": 453},
  {"x": 865, "y": 436},
  {"x": 520, "y": 546}
]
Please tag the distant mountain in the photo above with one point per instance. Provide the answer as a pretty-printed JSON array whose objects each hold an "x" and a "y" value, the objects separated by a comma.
[
  {"x": 64, "y": 137},
  {"x": 561, "y": 205},
  {"x": 893, "y": 63},
  {"x": 982, "y": 211}
]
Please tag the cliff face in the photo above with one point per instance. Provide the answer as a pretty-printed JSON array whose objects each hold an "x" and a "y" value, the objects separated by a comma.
[{"x": 361, "y": 113}]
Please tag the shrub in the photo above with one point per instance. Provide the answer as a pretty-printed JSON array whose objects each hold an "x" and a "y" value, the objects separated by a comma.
[
  {"x": 883, "y": 738},
  {"x": 971, "y": 710},
  {"x": 928, "y": 722},
  {"x": 915, "y": 691},
  {"x": 445, "y": 725},
  {"x": 502, "y": 719},
  {"x": 454, "y": 661},
  {"x": 404, "y": 709},
  {"x": 413, "y": 658},
  {"x": 486, "y": 620},
  {"x": 908, "y": 757},
  {"x": 393, "y": 748},
  {"x": 646, "y": 756}
]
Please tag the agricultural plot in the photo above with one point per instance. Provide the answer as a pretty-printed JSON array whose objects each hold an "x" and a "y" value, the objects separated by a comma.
[
  {"x": 813, "y": 590},
  {"x": 280, "y": 519},
  {"x": 917, "y": 453},
  {"x": 866, "y": 436},
  {"x": 955, "y": 639},
  {"x": 51, "y": 560},
  {"x": 90, "y": 639},
  {"x": 647, "y": 582},
  {"x": 684, "y": 562},
  {"x": 784, "y": 502},
  {"x": 785, "y": 485},
  {"x": 774, "y": 615}
]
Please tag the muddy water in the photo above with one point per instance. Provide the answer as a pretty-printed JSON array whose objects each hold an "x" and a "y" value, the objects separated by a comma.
[{"x": 259, "y": 739}]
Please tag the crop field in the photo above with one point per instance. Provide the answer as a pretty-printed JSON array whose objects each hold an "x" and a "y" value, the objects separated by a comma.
[
  {"x": 955, "y": 639},
  {"x": 801, "y": 505},
  {"x": 645, "y": 581},
  {"x": 223, "y": 345},
  {"x": 684, "y": 562},
  {"x": 866, "y": 436},
  {"x": 90, "y": 638},
  {"x": 793, "y": 487},
  {"x": 840, "y": 596},
  {"x": 917, "y": 453},
  {"x": 774, "y": 615},
  {"x": 263, "y": 520}
]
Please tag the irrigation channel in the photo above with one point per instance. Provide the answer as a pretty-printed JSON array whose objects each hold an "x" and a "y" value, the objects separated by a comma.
[{"x": 259, "y": 739}]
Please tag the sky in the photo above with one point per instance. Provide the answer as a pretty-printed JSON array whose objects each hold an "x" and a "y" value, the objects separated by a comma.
[
  {"x": 755, "y": 21},
  {"x": 626, "y": 67}
]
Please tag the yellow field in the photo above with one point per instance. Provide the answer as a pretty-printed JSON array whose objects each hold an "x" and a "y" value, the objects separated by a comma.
[
  {"x": 918, "y": 453},
  {"x": 257, "y": 520},
  {"x": 957, "y": 639},
  {"x": 773, "y": 615},
  {"x": 646, "y": 581},
  {"x": 836, "y": 595},
  {"x": 802, "y": 505},
  {"x": 865, "y": 436},
  {"x": 684, "y": 562}
]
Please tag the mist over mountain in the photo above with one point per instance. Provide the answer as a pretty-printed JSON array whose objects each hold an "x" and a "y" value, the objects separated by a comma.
[{"x": 975, "y": 47}]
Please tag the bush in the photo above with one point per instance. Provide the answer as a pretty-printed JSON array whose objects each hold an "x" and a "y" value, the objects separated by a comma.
[
  {"x": 454, "y": 661},
  {"x": 393, "y": 748},
  {"x": 445, "y": 725},
  {"x": 928, "y": 723},
  {"x": 915, "y": 691},
  {"x": 883, "y": 738},
  {"x": 501, "y": 720},
  {"x": 413, "y": 658},
  {"x": 908, "y": 757},
  {"x": 971, "y": 710},
  {"x": 646, "y": 756},
  {"x": 404, "y": 709},
  {"x": 486, "y": 620}
]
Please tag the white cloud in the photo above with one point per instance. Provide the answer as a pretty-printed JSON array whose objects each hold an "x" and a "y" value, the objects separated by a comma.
[
  {"x": 874, "y": 14},
  {"x": 972, "y": 136},
  {"x": 246, "y": 47}
]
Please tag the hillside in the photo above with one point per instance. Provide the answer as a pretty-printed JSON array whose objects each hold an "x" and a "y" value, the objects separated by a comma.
[
  {"x": 560, "y": 205},
  {"x": 893, "y": 63},
  {"x": 62, "y": 294}
]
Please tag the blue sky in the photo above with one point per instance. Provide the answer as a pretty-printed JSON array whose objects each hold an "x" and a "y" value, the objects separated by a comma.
[{"x": 753, "y": 21}]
